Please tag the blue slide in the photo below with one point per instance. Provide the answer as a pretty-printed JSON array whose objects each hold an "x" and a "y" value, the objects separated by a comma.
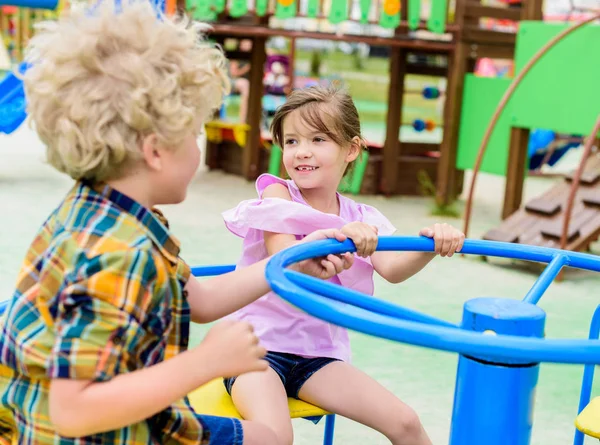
[{"x": 12, "y": 102}]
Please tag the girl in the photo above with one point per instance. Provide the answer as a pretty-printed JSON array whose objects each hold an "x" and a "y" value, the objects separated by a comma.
[{"x": 319, "y": 131}]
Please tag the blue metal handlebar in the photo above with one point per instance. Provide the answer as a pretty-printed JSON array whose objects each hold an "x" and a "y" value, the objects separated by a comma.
[{"x": 393, "y": 322}]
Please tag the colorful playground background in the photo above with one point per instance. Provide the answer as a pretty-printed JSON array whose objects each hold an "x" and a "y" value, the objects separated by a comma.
[{"x": 557, "y": 104}]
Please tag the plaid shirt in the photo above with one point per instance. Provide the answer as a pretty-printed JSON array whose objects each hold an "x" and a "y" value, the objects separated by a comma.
[{"x": 100, "y": 293}]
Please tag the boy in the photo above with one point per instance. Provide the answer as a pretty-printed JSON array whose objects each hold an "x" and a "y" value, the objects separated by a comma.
[{"x": 93, "y": 347}]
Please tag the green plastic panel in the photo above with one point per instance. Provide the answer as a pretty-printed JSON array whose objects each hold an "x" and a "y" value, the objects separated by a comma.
[
  {"x": 338, "y": 12},
  {"x": 562, "y": 91},
  {"x": 437, "y": 18},
  {"x": 275, "y": 160},
  {"x": 414, "y": 13},
  {"x": 480, "y": 98},
  {"x": 261, "y": 7},
  {"x": 389, "y": 21},
  {"x": 285, "y": 12},
  {"x": 219, "y": 5},
  {"x": 313, "y": 8},
  {"x": 238, "y": 8},
  {"x": 202, "y": 9},
  {"x": 353, "y": 183},
  {"x": 365, "y": 7}
]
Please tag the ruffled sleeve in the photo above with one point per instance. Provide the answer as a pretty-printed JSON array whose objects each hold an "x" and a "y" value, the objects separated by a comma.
[
  {"x": 265, "y": 180},
  {"x": 370, "y": 215},
  {"x": 278, "y": 215}
]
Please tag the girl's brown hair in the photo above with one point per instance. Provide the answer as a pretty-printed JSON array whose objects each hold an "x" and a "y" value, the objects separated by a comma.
[{"x": 329, "y": 110}]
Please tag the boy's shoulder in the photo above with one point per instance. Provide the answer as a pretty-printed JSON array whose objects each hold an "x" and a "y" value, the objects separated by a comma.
[
  {"x": 104, "y": 225},
  {"x": 97, "y": 223},
  {"x": 98, "y": 244}
]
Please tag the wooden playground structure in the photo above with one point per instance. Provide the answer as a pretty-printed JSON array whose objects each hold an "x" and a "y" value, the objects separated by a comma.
[
  {"x": 554, "y": 88},
  {"x": 446, "y": 45},
  {"x": 416, "y": 47}
]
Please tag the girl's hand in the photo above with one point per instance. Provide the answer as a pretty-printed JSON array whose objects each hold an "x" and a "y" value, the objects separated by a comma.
[
  {"x": 325, "y": 268},
  {"x": 364, "y": 237},
  {"x": 448, "y": 239}
]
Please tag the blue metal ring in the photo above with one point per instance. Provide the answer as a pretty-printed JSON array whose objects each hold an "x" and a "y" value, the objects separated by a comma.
[{"x": 361, "y": 313}]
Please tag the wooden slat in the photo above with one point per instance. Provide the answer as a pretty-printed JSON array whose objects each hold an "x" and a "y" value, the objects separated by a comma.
[
  {"x": 251, "y": 153},
  {"x": 474, "y": 9},
  {"x": 417, "y": 148},
  {"x": 532, "y": 10},
  {"x": 396, "y": 42},
  {"x": 592, "y": 197},
  {"x": 591, "y": 173},
  {"x": 515, "y": 170},
  {"x": 543, "y": 207},
  {"x": 238, "y": 55},
  {"x": 447, "y": 173},
  {"x": 506, "y": 51},
  {"x": 477, "y": 35},
  {"x": 426, "y": 70},
  {"x": 540, "y": 230},
  {"x": 391, "y": 148}
]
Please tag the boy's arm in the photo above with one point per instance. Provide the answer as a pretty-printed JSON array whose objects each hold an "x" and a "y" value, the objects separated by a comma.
[
  {"x": 82, "y": 407},
  {"x": 220, "y": 296},
  {"x": 99, "y": 331}
]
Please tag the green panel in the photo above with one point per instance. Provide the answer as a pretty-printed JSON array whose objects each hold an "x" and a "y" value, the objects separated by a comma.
[
  {"x": 285, "y": 12},
  {"x": 389, "y": 21},
  {"x": 275, "y": 160},
  {"x": 414, "y": 13},
  {"x": 219, "y": 5},
  {"x": 365, "y": 6},
  {"x": 353, "y": 182},
  {"x": 238, "y": 8},
  {"x": 338, "y": 12},
  {"x": 561, "y": 92},
  {"x": 202, "y": 9},
  {"x": 480, "y": 98},
  {"x": 437, "y": 18},
  {"x": 313, "y": 8},
  {"x": 261, "y": 7}
]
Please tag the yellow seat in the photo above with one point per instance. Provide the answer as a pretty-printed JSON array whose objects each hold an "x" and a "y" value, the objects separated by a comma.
[
  {"x": 588, "y": 420},
  {"x": 212, "y": 399}
]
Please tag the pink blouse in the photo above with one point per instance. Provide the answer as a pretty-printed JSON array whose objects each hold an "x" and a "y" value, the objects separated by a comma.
[{"x": 280, "y": 326}]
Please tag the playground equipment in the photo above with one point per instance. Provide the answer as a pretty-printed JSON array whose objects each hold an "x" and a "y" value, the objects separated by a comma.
[
  {"x": 12, "y": 102},
  {"x": 16, "y": 28},
  {"x": 212, "y": 399},
  {"x": 415, "y": 48},
  {"x": 565, "y": 217},
  {"x": 17, "y": 19},
  {"x": 500, "y": 341}
]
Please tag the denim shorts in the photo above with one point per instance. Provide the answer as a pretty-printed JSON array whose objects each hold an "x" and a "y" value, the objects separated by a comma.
[
  {"x": 293, "y": 370},
  {"x": 223, "y": 430}
]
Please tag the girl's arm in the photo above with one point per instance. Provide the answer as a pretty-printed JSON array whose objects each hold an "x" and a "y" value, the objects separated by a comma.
[
  {"x": 396, "y": 267},
  {"x": 220, "y": 296}
]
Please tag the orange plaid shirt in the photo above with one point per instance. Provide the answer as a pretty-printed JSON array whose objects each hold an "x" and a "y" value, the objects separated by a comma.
[{"x": 100, "y": 293}]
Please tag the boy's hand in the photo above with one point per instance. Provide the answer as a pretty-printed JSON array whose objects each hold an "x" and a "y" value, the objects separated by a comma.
[
  {"x": 448, "y": 239},
  {"x": 234, "y": 348},
  {"x": 325, "y": 267},
  {"x": 364, "y": 237}
]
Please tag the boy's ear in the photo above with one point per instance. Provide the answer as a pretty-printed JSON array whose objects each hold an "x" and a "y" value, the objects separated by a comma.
[
  {"x": 151, "y": 152},
  {"x": 355, "y": 149}
]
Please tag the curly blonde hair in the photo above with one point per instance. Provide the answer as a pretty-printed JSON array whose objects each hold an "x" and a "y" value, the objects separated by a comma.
[{"x": 101, "y": 81}]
